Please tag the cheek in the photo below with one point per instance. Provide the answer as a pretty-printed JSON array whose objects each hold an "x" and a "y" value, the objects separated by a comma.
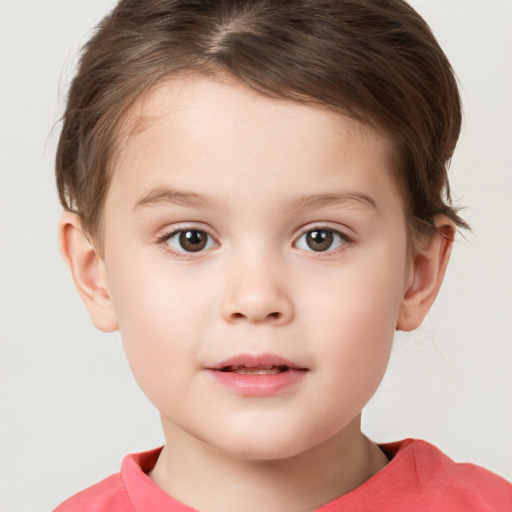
[
  {"x": 159, "y": 324},
  {"x": 358, "y": 312},
  {"x": 360, "y": 342}
]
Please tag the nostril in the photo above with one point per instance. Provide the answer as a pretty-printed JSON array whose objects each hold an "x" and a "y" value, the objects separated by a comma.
[{"x": 271, "y": 316}]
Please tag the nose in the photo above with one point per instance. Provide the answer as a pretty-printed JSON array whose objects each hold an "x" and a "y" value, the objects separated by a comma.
[{"x": 256, "y": 294}]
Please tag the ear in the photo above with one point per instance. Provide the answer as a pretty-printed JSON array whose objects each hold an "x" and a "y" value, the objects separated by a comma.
[
  {"x": 426, "y": 273},
  {"x": 88, "y": 272}
]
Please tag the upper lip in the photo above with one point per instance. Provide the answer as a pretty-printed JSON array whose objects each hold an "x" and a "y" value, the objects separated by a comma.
[{"x": 256, "y": 361}]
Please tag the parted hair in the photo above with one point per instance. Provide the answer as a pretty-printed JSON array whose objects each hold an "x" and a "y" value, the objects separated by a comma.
[{"x": 376, "y": 61}]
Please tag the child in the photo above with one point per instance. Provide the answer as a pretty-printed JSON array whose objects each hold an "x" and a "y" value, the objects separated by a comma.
[{"x": 256, "y": 197}]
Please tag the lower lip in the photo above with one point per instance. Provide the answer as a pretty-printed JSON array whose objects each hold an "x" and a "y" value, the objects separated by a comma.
[{"x": 258, "y": 385}]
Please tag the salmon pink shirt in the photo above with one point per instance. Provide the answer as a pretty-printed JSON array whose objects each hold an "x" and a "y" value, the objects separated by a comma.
[{"x": 418, "y": 478}]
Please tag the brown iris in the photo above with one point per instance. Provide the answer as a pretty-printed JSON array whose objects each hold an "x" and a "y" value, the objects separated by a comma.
[
  {"x": 193, "y": 240},
  {"x": 319, "y": 240}
]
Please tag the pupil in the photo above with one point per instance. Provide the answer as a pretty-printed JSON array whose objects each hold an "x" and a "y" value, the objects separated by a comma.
[
  {"x": 319, "y": 240},
  {"x": 193, "y": 241}
]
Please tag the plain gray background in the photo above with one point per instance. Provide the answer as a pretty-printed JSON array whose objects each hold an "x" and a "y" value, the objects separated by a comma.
[{"x": 70, "y": 409}]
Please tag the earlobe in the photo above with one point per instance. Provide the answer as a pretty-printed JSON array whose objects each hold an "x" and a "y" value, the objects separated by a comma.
[
  {"x": 427, "y": 272},
  {"x": 88, "y": 272}
]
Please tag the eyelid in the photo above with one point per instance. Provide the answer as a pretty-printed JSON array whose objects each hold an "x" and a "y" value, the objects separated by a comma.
[
  {"x": 325, "y": 227},
  {"x": 342, "y": 230},
  {"x": 172, "y": 229},
  {"x": 168, "y": 233}
]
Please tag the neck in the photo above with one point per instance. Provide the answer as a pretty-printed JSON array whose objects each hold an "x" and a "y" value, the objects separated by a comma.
[{"x": 209, "y": 480}]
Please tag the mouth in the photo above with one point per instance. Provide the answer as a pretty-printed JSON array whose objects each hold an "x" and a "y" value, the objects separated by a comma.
[
  {"x": 261, "y": 375},
  {"x": 259, "y": 364},
  {"x": 256, "y": 370}
]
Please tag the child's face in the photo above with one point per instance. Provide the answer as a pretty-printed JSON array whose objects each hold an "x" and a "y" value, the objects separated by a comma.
[{"x": 290, "y": 249}]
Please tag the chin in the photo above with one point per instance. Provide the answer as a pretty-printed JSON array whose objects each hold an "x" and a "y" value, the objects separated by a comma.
[
  {"x": 267, "y": 452},
  {"x": 264, "y": 445}
]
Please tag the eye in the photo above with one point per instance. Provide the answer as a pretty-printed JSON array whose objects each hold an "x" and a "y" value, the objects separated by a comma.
[
  {"x": 189, "y": 240},
  {"x": 321, "y": 240}
]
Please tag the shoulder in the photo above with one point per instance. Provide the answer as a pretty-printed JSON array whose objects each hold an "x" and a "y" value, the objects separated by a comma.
[
  {"x": 445, "y": 484},
  {"x": 109, "y": 495},
  {"x": 127, "y": 491}
]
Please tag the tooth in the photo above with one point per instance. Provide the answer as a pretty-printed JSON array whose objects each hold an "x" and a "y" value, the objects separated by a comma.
[
  {"x": 260, "y": 370},
  {"x": 268, "y": 369}
]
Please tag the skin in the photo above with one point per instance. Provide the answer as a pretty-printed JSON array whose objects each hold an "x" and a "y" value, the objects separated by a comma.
[{"x": 255, "y": 175}]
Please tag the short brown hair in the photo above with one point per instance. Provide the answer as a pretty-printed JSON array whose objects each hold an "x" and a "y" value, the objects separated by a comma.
[{"x": 374, "y": 60}]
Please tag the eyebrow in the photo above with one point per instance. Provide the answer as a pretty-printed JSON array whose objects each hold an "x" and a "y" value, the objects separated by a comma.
[
  {"x": 173, "y": 196},
  {"x": 191, "y": 199},
  {"x": 331, "y": 199}
]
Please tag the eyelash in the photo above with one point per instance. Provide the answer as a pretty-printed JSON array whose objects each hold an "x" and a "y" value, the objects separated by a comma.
[
  {"x": 335, "y": 232},
  {"x": 164, "y": 239}
]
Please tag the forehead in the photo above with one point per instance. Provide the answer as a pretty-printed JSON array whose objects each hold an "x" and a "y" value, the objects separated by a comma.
[
  {"x": 193, "y": 101},
  {"x": 204, "y": 128}
]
